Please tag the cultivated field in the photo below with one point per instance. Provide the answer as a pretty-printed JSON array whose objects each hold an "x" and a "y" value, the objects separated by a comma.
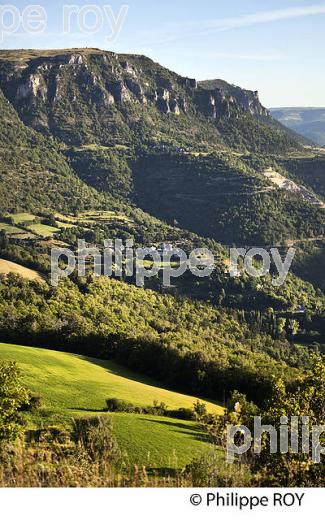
[{"x": 7, "y": 267}]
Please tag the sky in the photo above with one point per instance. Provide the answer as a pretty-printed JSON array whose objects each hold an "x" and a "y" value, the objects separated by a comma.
[{"x": 273, "y": 46}]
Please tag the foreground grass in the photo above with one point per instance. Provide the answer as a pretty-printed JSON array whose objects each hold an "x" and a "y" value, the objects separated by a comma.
[
  {"x": 159, "y": 442},
  {"x": 73, "y": 385}
]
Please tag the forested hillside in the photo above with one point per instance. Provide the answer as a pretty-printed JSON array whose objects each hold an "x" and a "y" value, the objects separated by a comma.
[
  {"x": 97, "y": 145},
  {"x": 193, "y": 347},
  {"x": 192, "y": 154}
]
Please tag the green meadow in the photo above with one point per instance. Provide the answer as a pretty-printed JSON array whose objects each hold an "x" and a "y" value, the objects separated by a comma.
[
  {"x": 43, "y": 230},
  {"x": 21, "y": 218},
  {"x": 71, "y": 385},
  {"x": 9, "y": 229}
]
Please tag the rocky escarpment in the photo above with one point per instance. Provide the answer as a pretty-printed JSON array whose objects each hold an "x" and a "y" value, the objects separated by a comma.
[
  {"x": 118, "y": 80},
  {"x": 247, "y": 100},
  {"x": 105, "y": 78},
  {"x": 215, "y": 103},
  {"x": 88, "y": 95}
]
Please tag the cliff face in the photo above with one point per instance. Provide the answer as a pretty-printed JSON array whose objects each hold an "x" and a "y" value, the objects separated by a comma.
[
  {"x": 246, "y": 100},
  {"x": 140, "y": 134},
  {"x": 40, "y": 86},
  {"x": 97, "y": 96}
]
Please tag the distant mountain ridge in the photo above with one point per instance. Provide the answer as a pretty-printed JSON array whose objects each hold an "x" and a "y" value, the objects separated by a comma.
[{"x": 309, "y": 122}]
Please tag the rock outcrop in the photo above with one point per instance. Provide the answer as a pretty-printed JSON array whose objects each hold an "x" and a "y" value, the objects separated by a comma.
[
  {"x": 49, "y": 89},
  {"x": 119, "y": 91},
  {"x": 246, "y": 100},
  {"x": 33, "y": 87}
]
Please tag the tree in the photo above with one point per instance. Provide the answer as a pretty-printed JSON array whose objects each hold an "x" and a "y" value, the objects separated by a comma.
[
  {"x": 307, "y": 400},
  {"x": 290, "y": 467},
  {"x": 200, "y": 409},
  {"x": 12, "y": 397}
]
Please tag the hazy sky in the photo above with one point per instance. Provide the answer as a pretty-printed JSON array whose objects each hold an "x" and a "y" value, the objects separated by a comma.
[{"x": 274, "y": 46}]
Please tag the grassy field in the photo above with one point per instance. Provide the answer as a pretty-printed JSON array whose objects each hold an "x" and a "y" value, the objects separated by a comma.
[
  {"x": 7, "y": 267},
  {"x": 72, "y": 385},
  {"x": 93, "y": 217},
  {"x": 10, "y": 229},
  {"x": 43, "y": 230},
  {"x": 64, "y": 225},
  {"x": 18, "y": 219},
  {"x": 25, "y": 236},
  {"x": 159, "y": 442},
  {"x": 21, "y": 218}
]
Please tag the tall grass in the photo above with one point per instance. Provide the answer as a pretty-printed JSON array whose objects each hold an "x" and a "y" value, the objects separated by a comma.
[{"x": 91, "y": 458}]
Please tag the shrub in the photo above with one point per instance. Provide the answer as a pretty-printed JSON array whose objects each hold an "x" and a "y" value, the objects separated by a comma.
[
  {"x": 12, "y": 397},
  {"x": 182, "y": 413},
  {"x": 209, "y": 470},
  {"x": 156, "y": 409},
  {"x": 47, "y": 435},
  {"x": 35, "y": 402},
  {"x": 95, "y": 436},
  {"x": 200, "y": 409},
  {"x": 160, "y": 409},
  {"x": 118, "y": 405}
]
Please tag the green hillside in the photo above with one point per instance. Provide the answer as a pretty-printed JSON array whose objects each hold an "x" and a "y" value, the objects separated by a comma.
[
  {"x": 124, "y": 135},
  {"x": 310, "y": 171},
  {"x": 72, "y": 385},
  {"x": 36, "y": 177},
  {"x": 141, "y": 136},
  {"x": 223, "y": 197},
  {"x": 36, "y": 172},
  {"x": 192, "y": 347}
]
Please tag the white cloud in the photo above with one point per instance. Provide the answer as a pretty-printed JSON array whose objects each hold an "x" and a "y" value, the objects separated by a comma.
[
  {"x": 265, "y": 17},
  {"x": 177, "y": 31}
]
